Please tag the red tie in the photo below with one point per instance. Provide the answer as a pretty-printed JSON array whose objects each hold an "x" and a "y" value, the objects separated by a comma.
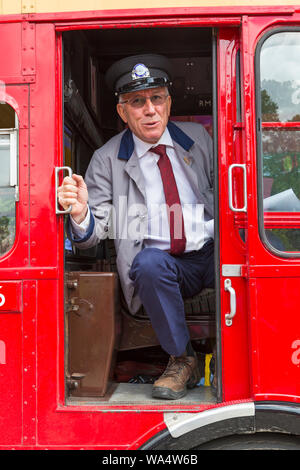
[{"x": 176, "y": 223}]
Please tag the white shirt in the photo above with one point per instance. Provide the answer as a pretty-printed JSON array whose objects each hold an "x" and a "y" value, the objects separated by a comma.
[{"x": 197, "y": 231}]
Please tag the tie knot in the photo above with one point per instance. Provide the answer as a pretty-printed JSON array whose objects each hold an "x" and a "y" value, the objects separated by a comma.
[{"x": 159, "y": 150}]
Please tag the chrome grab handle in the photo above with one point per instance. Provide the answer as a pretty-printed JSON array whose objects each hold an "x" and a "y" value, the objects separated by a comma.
[
  {"x": 231, "y": 167},
  {"x": 58, "y": 169},
  {"x": 229, "y": 316}
]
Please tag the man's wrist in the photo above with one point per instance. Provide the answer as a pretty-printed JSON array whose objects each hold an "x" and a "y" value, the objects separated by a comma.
[{"x": 81, "y": 217}]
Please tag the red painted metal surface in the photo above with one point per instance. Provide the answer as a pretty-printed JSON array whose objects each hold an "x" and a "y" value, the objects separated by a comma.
[
  {"x": 265, "y": 333},
  {"x": 179, "y": 13},
  {"x": 275, "y": 331},
  {"x": 281, "y": 219},
  {"x": 287, "y": 125},
  {"x": 11, "y": 374},
  {"x": 235, "y": 360}
]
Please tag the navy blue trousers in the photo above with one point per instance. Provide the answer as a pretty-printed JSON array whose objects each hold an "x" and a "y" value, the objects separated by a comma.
[{"x": 163, "y": 281}]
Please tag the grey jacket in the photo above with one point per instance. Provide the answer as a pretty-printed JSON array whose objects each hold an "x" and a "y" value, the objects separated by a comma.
[{"x": 117, "y": 194}]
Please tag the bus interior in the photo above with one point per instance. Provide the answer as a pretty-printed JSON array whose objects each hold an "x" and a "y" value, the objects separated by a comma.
[{"x": 111, "y": 356}]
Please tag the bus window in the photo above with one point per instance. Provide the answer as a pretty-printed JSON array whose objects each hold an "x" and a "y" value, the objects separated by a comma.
[
  {"x": 8, "y": 176},
  {"x": 279, "y": 137}
]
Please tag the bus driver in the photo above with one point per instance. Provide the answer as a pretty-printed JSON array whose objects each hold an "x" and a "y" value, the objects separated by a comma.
[{"x": 155, "y": 166}]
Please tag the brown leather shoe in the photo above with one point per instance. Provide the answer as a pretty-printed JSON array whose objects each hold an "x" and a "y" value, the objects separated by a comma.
[{"x": 181, "y": 373}]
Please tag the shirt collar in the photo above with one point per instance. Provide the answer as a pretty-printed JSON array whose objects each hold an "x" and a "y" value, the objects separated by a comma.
[
  {"x": 127, "y": 143},
  {"x": 142, "y": 147}
]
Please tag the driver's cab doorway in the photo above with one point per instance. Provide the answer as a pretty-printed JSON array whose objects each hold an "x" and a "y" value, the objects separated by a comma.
[{"x": 111, "y": 356}]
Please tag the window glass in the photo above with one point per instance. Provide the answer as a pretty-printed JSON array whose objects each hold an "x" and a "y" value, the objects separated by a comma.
[
  {"x": 8, "y": 176},
  {"x": 281, "y": 167},
  {"x": 5, "y": 159},
  {"x": 238, "y": 86},
  {"x": 279, "y": 114},
  {"x": 7, "y": 219},
  {"x": 284, "y": 239},
  {"x": 280, "y": 77}
]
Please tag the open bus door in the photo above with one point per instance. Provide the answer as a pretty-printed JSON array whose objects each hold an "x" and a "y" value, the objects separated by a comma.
[
  {"x": 259, "y": 154},
  {"x": 271, "y": 95},
  {"x": 234, "y": 314}
]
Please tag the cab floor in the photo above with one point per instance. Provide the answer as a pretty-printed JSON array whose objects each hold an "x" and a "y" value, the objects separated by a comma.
[{"x": 128, "y": 393}]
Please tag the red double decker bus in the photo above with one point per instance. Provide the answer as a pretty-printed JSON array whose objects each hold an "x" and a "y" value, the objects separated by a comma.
[{"x": 73, "y": 361}]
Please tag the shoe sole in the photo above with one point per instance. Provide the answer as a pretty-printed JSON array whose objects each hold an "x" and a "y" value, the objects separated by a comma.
[{"x": 167, "y": 393}]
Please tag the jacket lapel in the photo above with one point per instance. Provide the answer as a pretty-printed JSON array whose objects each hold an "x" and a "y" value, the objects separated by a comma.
[
  {"x": 132, "y": 168},
  {"x": 128, "y": 154}
]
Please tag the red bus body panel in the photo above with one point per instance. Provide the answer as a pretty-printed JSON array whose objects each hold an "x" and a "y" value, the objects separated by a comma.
[{"x": 260, "y": 352}]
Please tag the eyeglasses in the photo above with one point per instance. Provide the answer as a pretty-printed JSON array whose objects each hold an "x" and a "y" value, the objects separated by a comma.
[{"x": 140, "y": 101}]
